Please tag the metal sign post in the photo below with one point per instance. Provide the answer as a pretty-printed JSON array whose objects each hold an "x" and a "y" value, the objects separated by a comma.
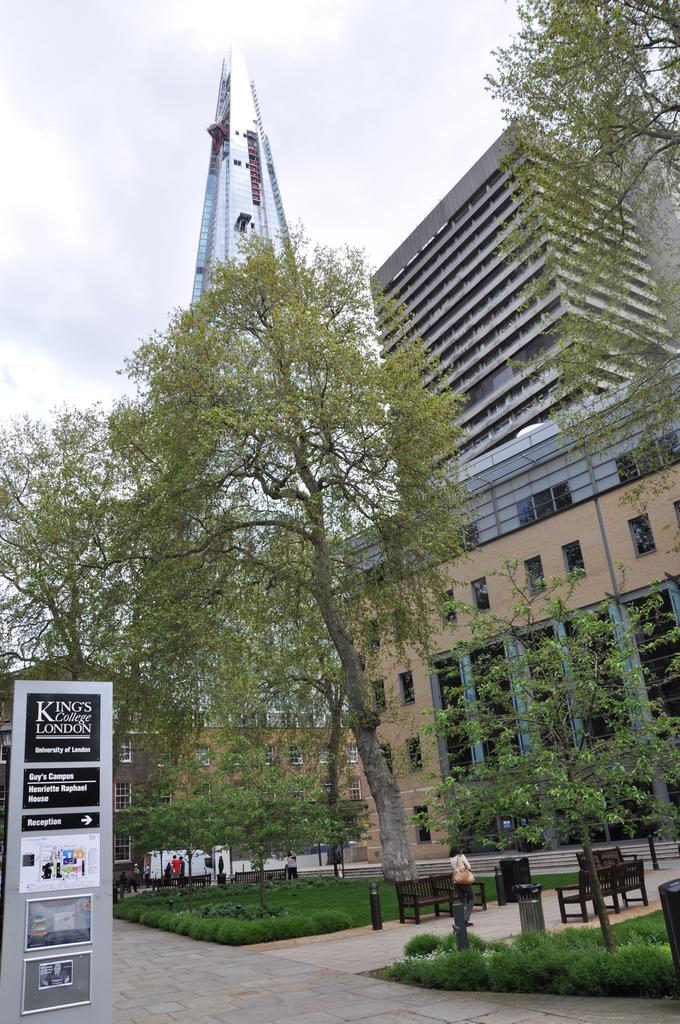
[{"x": 56, "y": 939}]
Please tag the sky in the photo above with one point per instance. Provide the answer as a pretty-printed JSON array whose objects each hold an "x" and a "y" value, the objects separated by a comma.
[{"x": 373, "y": 108}]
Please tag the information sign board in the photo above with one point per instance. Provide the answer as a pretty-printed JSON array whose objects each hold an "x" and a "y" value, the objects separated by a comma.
[
  {"x": 53, "y": 822},
  {"x": 58, "y": 877},
  {"x": 45, "y": 788},
  {"x": 62, "y": 727}
]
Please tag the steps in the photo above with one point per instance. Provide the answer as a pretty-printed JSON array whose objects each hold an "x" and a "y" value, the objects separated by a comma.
[{"x": 541, "y": 861}]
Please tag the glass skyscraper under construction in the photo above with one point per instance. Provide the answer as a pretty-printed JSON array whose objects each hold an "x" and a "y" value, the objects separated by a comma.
[{"x": 241, "y": 194}]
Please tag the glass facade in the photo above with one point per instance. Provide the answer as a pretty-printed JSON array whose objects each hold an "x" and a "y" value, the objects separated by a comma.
[{"x": 242, "y": 194}]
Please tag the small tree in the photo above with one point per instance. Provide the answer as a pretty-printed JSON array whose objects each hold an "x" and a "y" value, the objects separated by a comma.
[
  {"x": 559, "y": 726},
  {"x": 192, "y": 821},
  {"x": 268, "y": 810}
]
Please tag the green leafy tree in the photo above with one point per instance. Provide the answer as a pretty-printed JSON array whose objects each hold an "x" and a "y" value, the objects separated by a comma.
[
  {"x": 268, "y": 433},
  {"x": 590, "y": 90},
  {"x": 60, "y": 607},
  {"x": 270, "y": 810},
  {"x": 193, "y": 821},
  {"x": 564, "y": 734}
]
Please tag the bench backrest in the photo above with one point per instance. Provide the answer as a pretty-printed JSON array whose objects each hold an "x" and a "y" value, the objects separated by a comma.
[{"x": 415, "y": 887}]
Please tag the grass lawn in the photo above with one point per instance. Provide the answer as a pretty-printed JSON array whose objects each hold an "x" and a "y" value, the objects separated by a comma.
[{"x": 305, "y": 897}]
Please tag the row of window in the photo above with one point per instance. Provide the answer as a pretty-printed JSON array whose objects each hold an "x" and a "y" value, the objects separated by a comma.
[
  {"x": 662, "y": 452},
  {"x": 297, "y": 757}
]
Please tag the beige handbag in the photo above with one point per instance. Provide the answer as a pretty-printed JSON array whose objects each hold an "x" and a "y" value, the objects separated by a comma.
[{"x": 461, "y": 874}]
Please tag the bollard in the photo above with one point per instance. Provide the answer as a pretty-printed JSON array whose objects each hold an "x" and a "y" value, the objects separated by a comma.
[
  {"x": 530, "y": 907},
  {"x": 670, "y": 905},
  {"x": 459, "y": 926},
  {"x": 652, "y": 850},
  {"x": 376, "y": 915},
  {"x": 171, "y": 904},
  {"x": 500, "y": 886}
]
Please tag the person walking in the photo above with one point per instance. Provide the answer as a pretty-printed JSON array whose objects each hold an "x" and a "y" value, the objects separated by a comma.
[
  {"x": 463, "y": 879},
  {"x": 167, "y": 871},
  {"x": 291, "y": 866},
  {"x": 136, "y": 875},
  {"x": 147, "y": 875}
]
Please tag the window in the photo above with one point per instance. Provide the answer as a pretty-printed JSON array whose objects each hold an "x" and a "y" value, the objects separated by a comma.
[
  {"x": 354, "y": 790},
  {"x": 122, "y": 848},
  {"x": 126, "y": 752},
  {"x": 203, "y": 754},
  {"x": 3, "y": 793},
  {"x": 237, "y": 162},
  {"x": 423, "y": 834},
  {"x": 408, "y": 693},
  {"x": 270, "y": 755},
  {"x": 3, "y": 755},
  {"x": 651, "y": 456},
  {"x": 387, "y": 754},
  {"x": 414, "y": 753},
  {"x": 123, "y": 795},
  {"x": 296, "y": 756},
  {"x": 448, "y": 610},
  {"x": 379, "y": 698},
  {"x": 480, "y": 594},
  {"x": 641, "y": 533},
  {"x": 471, "y": 536},
  {"x": 544, "y": 503},
  {"x": 573, "y": 558},
  {"x": 533, "y": 568},
  {"x": 373, "y": 635},
  {"x": 352, "y": 753}
]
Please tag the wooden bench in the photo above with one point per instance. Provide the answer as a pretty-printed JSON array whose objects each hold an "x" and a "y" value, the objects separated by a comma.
[
  {"x": 432, "y": 891},
  {"x": 609, "y": 857},
  {"x": 253, "y": 877},
  {"x": 616, "y": 881},
  {"x": 180, "y": 882}
]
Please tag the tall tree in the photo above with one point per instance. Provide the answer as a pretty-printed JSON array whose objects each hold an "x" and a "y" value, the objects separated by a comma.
[
  {"x": 590, "y": 90},
  {"x": 268, "y": 434},
  {"x": 62, "y": 606},
  {"x": 564, "y": 733}
]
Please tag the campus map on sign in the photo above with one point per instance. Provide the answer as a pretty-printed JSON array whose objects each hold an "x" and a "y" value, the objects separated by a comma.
[{"x": 58, "y": 862}]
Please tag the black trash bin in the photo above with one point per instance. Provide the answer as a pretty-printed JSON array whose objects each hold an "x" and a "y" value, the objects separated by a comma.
[
  {"x": 670, "y": 904},
  {"x": 515, "y": 871}
]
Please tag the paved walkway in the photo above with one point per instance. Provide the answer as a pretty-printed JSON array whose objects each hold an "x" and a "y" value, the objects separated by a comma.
[{"x": 162, "y": 978}]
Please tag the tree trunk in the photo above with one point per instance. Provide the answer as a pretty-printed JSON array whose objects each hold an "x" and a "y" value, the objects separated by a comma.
[
  {"x": 334, "y": 741},
  {"x": 598, "y": 899},
  {"x": 398, "y": 862},
  {"x": 190, "y": 888},
  {"x": 262, "y": 887}
]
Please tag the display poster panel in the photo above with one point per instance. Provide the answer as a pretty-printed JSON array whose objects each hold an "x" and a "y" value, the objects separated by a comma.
[
  {"x": 62, "y": 727},
  {"x": 55, "y": 974},
  {"x": 56, "y": 983},
  {"x": 58, "y": 921},
  {"x": 56, "y": 862}
]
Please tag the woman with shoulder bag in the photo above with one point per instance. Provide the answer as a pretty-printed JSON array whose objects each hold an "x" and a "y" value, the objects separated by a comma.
[{"x": 463, "y": 879}]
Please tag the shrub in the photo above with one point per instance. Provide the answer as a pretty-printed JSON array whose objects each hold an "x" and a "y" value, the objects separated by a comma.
[
  {"x": 569, "y": 962},
  {"x": 421, "y": 945},
  {"x": 329, "y": 921}
]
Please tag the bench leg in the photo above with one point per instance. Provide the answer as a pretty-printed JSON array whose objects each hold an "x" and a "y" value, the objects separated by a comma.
[
  {"x": 584, "y": 911},
  {"x": 436, "y": 910},
  {"x": 416, "y": 911},
  {"x": 402, "y": 918}
]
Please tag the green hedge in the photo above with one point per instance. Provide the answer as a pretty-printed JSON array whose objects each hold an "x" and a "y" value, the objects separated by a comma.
[
  {"x": 571, "y": 962},
  {"x": 229, "y": 930}
]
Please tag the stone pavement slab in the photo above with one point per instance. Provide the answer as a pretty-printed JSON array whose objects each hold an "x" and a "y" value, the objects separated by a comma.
[{"x": 162, "y": 978}]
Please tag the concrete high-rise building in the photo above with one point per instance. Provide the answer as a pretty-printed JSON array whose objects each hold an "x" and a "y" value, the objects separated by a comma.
[
  {"x": 465, "y": 298},
  {"x": 241, "y": 194}
]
